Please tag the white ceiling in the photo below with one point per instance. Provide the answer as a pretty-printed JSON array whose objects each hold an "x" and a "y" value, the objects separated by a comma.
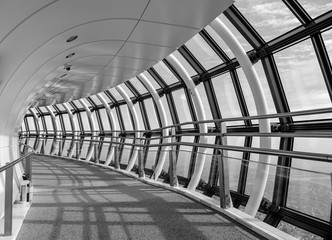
[{"x": 117, "y": 40}]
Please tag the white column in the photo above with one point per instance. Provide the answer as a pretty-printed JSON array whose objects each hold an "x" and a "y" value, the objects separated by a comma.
[
  {"x": 113, "y": 127},
  {"x": 55, "y": 143},
  {"x": 92, "y": 127},
  {"x": 262, "y": 170},
  {"x": 163, "y": 119},
  {"x": 200, "y": 160},
  {"x": 73, "y": 127},
  {"x": 136, "y": 126}
]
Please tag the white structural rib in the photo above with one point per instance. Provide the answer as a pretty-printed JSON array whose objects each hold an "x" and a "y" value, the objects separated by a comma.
[
  {"x": 73, "y": 127},
  {"x": 136, "y": 126},
  {"x": 113, "y": 127},
  {"x": 163, "y": 119},
  {"x": 37, "y": 122},
  {"x": 200, "y": 160},
  {"x": 92, "y": 127},
  {"x": 55, "y": 128},
  {"x": 262, "y": 170}
]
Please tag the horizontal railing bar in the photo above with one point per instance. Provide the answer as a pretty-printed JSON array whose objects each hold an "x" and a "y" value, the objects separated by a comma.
[
  {"x": 294, "y": 154},
  {"x": 267, "y": 116},
  {"x": 11, "y": 164}
]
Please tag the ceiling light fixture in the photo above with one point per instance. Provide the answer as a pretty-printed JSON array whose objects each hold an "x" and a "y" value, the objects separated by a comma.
[
  {"x": 70, "y": 55},
  {"x": 72, "y": 38}
]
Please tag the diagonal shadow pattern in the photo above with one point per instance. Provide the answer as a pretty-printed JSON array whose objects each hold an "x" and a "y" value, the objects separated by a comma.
[{"x": 76, "y": 200}]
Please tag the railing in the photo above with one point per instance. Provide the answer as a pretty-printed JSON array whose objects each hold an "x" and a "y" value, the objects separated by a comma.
[
  {"x": 118, "y": 140},
  {"x": 8, "y": 169}
]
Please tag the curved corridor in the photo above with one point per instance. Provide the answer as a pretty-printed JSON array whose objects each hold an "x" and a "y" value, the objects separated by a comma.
[{"x": 77, "y": 200}]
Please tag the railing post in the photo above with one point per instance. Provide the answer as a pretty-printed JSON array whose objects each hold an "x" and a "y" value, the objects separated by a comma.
[
  {"x": 172, "y": 162},
  {"x": 141, "y": 172},
  {"x": 117, "y": 153},
  {"x": 224, "y": 191},
  {"x": 8, "y": 202}
]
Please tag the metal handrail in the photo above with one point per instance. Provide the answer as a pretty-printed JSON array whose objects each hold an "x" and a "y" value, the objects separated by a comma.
[
  {"x": 8, "y": 214},
  {"x": 283, "y": 153},
  {"x": 257, "y": 117}
]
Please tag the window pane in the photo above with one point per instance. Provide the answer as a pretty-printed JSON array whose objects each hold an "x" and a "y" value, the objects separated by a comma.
[
  {"x": 77, "y": 104},
  {"x": 31, "y": 123},
  {"x": 262, "y": 77},
  {"x": 126, "y": 117},
  {"x": 95, "y": 99},
  {"x": 94, "y": 117},
  {"x": 66, "y": 122},
  {"x": 62, "y": 108},
  {"x": 117, "y": 123},
  {"x": 104, "y": 119},
  {"x": 182, "y": 108},
  {"x": 203, "y": 52},
  {"x": 302, "y": 78},
  {"x": 226, "y": 97},
  {"x": 266, "y": 17},
  {"x": 139, "y": 116},
  {"x": 151, "y": 112},
  {"x": 85, "y": 121},
  {"x": 48, "y": 122},
  {"x": 138, "y": 85},
  {"x": 167, "y": 111},
  {"x": 311, "y": 192},
  {"x": 184, "y": 63},
  {"x": 327, "y": 36},
  {"x": 317, "y": 7},
  {"x": 165, "y": 73}
]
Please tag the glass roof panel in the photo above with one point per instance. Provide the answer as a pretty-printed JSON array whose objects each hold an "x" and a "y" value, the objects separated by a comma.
[
  {"x": 244, "y": 43},
  {"x": 138, "y": 85},
  {"x": 165, "y": 73},
  {"x": 95, "y": 99},
  {"x": 77, "y": 104},
  {"x": 115, "y": 94},
  {"x": 43, "y": 109},
  {"x": 61, "y": 108},
  {"x": 219, "y": 41},
  {"x": 184, "y": 63},
  {"x": 317, "y": 7},
  {"x": 203, "y": 52},
  {"x": 302, "y": 78},
  {"x": 270, "y": 18}
]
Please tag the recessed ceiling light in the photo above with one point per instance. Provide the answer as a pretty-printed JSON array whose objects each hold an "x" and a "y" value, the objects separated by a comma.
[
  {"x": 70, "y": 55},
  {"x": 72, "y": 38}
]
